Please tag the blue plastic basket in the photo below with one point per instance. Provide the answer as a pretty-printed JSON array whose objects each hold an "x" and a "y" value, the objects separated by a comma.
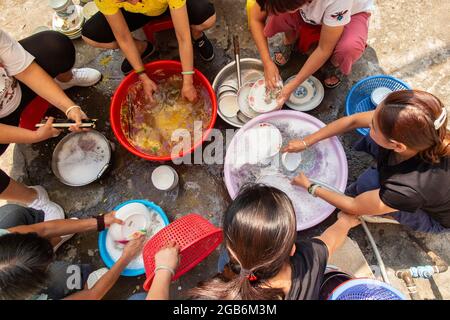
[
  {"x": 366, "y": 289},
  {"x": 109, "y": 262},
  {"x": 358, "y": 99}
]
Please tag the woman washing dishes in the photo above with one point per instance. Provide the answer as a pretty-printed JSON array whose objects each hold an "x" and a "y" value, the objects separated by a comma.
[
  {"x": 111, "y": 29},
  {"x": 343, "y": 26},
  {"x": 263, "y": 258},
  {"x": 27, "y": 266},
  {"x": 411, "y": 183},
  {"x": 27, "y": 69}
]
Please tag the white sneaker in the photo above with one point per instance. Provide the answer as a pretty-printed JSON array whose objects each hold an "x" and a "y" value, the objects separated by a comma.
[
  {"x": 83, "y": 77},
  {"x": 95, "y": 276},
  {"x": 51, "y": 210},
  {"x": 64, "y": 238}
]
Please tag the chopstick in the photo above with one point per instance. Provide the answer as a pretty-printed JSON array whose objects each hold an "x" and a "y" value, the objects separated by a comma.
[{"x": 61, "y": 125}]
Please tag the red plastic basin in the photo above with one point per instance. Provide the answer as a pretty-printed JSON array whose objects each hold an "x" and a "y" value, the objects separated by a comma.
[{"x": 169, "y": 67}]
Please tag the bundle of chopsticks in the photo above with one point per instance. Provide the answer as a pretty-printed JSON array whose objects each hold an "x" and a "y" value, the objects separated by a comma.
[{"x": 62, "y": 124}]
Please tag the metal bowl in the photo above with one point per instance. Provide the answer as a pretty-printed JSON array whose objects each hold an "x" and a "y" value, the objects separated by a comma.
[
  {"x": 58, "y": 149},
  {"x": 248, "y": 65}
]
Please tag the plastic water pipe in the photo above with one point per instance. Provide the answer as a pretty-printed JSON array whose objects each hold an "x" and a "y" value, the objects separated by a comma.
[{"x": 380, "y": 261}]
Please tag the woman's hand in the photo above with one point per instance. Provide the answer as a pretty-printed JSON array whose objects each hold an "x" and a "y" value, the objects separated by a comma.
[
  {"x": 301, "y": 180},
  {"x": 149, "y": 86},
  {"x": 168, "y": 256},
  {"x": 47, "y": 131},
  {"x": 76, "y": 114},
  {"x": 110, "y": 218},
  {"x": 189, "y": 92},
  {"x": 271, "y": 75},
  {"x": 134, "y": 247},
  {"x": 349, "y": 219},
  {"x": 286, "y": 93},
  {"x": 297, "y": 145}
]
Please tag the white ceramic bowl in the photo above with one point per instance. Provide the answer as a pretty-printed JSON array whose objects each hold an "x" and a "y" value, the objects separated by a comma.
[
  {"x": 165, "y": 178},
  {"x": 291, "y": 160},
  {"x": 379, "y": 94}
]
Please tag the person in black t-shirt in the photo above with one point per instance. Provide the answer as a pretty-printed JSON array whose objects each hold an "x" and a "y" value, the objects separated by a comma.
[
  {"x": 266, "y": 262},
  {"x": 411, "y": 182}
]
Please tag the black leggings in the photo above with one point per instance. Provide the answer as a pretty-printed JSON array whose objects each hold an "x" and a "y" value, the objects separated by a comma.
[
  {"x": 55, "y": 53},
  {"x": 97, "y": 28}
]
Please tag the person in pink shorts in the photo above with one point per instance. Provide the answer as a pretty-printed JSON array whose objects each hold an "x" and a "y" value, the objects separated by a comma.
[{"x": 339, "y": 26}]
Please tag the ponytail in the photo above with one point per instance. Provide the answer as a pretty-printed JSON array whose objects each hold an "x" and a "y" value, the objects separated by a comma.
[
  {"x": 419, "y": 120},
  {"x": 259, "y": 232},
  {"x": 237, "y": 288}
]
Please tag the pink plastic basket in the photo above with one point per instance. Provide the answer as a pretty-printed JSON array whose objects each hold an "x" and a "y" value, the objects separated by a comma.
[{"x": 195, "y": 235}]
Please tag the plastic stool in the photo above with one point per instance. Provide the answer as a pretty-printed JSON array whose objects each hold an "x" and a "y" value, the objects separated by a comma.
[
  {"x": 156, "y": 26},
  {"x": 33, "y": 113}
]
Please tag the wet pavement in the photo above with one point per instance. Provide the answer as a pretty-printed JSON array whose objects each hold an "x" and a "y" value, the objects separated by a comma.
[{"x": 418, "y": 56}]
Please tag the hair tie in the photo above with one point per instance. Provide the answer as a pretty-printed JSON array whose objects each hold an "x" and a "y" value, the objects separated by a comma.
[
  {"x": 248, "y": 274},
  {"x": 441, "y": 119}
]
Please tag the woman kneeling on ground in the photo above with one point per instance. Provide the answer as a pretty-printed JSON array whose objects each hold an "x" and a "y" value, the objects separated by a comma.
[
  {"x": 27, "y": 266},
  {"x": 264, "y": 259},
  {"x": 27, "y": 69},
  {"x": 411, "y": 183},
  {"x": 342, "y": 24},
  {"x": 111, "y": 29}
]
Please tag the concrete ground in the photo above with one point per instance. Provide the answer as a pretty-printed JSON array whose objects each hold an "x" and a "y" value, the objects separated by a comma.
[{"x": 407, "y": 39}]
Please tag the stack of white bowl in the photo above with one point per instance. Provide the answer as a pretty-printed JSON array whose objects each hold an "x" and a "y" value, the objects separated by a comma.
[{"x": 68, "y": 18}]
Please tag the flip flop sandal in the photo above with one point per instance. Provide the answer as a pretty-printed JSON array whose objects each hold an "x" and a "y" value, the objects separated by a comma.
[
  {"x": 336, "y": 73},
  {"x": 285, "y": 51}
]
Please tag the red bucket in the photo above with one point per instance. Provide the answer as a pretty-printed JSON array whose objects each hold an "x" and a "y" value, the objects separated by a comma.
[
  {"x": 169, "y": 67},
  {"x": 195, "y": 235}
]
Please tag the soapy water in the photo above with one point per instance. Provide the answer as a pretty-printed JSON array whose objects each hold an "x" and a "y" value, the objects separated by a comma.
[
  {"x": 82, "y": 158},
  {"x": 318, "y": 162},
  {"x": 150, "y": 126},
  {"x": 115, "y": 249}
]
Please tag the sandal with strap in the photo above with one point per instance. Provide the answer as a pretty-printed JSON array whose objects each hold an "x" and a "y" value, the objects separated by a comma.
[
  {"x": 332, "y": 72},
  {"x": 285, "y": 51}
]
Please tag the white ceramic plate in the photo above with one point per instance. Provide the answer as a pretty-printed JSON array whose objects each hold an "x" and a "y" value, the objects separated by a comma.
[
  {"x": 259, "y": 144},
  {"x": 228, "y": 105},
  {"x": 243, "y": 100},
  {"x": 128, "y": 211},
  {"x": 256, "y": 98},
  {"x": 307, "y": 96},
  {"x": 116, "y": 231}
]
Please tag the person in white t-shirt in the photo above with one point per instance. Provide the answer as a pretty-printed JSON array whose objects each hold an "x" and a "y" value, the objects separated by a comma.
[
  {"x": 41, "y": 64},
  {"x": 339, "y": 26}
]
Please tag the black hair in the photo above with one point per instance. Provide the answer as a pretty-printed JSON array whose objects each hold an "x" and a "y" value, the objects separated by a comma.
[
  {"x": 24, "y": 261},
  {"x": 280, "y": 6},
  {"x": 259, "y": 227}
]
